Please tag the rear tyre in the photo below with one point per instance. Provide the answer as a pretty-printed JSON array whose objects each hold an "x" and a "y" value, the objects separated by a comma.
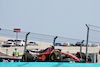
[
  {"x": 27, "y": 57},
  {"x": 24, "y": 58}
]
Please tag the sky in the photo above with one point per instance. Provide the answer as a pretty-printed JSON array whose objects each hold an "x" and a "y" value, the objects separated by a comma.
[{"x": 66, "y": 18}]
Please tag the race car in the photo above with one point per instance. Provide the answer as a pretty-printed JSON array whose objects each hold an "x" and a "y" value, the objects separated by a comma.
[{"x": 49, "y": 55}]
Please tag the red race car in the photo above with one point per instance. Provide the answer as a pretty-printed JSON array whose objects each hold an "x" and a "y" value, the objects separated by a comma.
[{"x": 49, "y": 54}]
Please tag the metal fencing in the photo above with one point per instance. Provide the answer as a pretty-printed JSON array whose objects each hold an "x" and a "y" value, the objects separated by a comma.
[
  {"x": 94, "y": 35},
  {"x": 36, "y": 37}
]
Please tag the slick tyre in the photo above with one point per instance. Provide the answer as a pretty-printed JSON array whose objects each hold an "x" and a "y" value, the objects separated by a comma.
[
  {"x": 55, "y": 56},
  {"x": 24, "y": 58},
  {"x": 27, "y": 57}
]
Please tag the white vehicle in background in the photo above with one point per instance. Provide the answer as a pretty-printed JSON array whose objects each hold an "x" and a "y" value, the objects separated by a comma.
[
  {"x": 89, "y": 44},
  {"x": 19, "y": 42},
  {"x": 8, "y": 43},
  {"x": 96, "y": 45},
  {"x": 32, "y": 43}
]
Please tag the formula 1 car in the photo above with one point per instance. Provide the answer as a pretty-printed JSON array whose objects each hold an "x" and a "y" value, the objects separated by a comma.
[{"x": 49, "y": 54}]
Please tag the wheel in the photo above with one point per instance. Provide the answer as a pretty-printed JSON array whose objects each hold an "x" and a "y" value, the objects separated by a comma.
[
  {"x": 24, "y": 58},
  {"x": 55, "y": 56},
  {"x": 82, "y": 56},
  {"x": 27, "y": 57}
]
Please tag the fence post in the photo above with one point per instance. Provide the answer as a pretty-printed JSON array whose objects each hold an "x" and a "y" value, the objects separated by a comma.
[
  {"x": 26, "y": 41},
  {"x": 81, "y": 46},
  {"x": 54, "y": 41},
  {"x": 87, "y": 43},
  {"x": 96, "y": 58}
]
